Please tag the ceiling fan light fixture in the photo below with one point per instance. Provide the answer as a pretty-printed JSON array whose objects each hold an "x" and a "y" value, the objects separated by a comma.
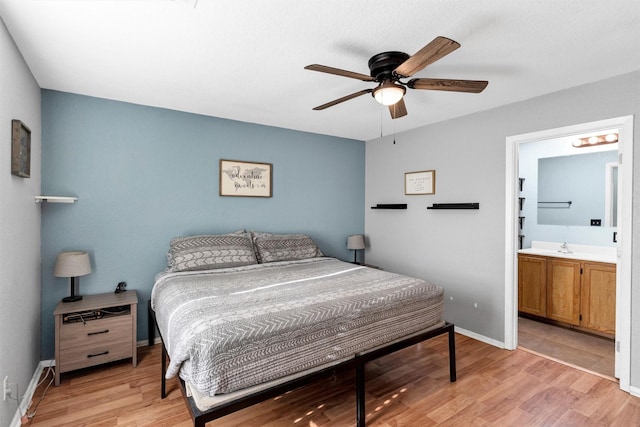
[{"x": 388, "y": 93}]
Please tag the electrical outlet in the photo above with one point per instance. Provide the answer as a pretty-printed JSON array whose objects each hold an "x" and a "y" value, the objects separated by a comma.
[
  {"x": 6, "y": 391},
  {"x": 596, "y": 222}
]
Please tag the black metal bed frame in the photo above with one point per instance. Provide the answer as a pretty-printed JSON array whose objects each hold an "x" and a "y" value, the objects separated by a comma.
[{"x": 200, "y": 418}]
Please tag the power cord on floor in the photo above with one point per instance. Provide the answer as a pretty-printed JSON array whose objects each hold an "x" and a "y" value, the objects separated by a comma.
[
  {"x": 51, "y": 371},
  {"x": 26, "y": 418}
]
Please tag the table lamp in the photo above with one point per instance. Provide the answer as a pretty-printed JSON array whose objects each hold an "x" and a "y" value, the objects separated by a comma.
[
  {"x": 355, "y": 242},
  {"x": 72, "y": 265}
]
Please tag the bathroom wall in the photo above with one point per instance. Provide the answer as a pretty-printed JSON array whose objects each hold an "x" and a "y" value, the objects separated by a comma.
[{"x": 529, "y": 154}]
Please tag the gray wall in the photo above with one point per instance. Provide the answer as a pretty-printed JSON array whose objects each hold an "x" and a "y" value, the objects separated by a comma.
[
  {"x": 144, "y": 175},
  {"x": 464, "y": 250},
  {"x": 19, "y": 228}
]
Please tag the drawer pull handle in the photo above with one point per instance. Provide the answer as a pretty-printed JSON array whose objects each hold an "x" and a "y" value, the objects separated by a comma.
[
  {"x": 97, "y": 333},
  {"x": 98, "y": 354}
]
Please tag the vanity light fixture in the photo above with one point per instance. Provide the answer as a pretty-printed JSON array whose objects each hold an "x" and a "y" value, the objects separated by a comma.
[
  {"x": 610, "y": 138},
  {"x": 388, "y": 93}
]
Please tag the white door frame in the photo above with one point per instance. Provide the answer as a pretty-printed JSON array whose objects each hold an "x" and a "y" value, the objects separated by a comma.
[{"x": 623, "y": 268}]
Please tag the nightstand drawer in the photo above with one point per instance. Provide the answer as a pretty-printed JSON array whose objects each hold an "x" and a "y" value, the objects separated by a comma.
[
  {"x": 100, "y": 341},
  {"x": 82, "y": 357},
  {"x": 95, "y": 331}
]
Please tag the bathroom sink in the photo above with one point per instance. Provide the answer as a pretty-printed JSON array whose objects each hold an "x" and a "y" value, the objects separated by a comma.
[{"x": 575, "y": 251}]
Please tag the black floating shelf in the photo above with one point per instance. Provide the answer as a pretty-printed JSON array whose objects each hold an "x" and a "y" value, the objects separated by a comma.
[
  {"x": 454, "y": 206},
  {"x": 390, "y": 206}
]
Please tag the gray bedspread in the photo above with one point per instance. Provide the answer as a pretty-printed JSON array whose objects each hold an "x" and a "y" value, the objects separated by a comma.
[{"x": 233, "y": 328}]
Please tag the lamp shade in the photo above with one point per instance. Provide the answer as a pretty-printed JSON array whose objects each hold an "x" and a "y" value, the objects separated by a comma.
[
  {"x": 388, "y": 93},
  {"x": 355, "y": 241},
  {"x": 72, "y": 264}
]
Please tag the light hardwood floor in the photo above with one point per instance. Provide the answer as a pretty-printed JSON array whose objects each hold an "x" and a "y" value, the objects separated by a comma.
[
  {"x": 593, "y": 353},
  {"x": 409, "y": 388}
]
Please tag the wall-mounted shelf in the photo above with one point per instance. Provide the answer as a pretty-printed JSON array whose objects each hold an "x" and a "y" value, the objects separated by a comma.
[
  {"x": 454, "y": 206},
  {"x": 390, "y": 206},
  {"x": 55, "y": 199}
]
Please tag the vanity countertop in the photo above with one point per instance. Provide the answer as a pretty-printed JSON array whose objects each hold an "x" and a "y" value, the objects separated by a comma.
[{"x": 577, "y": 252}]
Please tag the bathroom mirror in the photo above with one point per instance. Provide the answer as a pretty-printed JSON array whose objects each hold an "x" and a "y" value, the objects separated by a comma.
[{"x": 572, "y": 189}]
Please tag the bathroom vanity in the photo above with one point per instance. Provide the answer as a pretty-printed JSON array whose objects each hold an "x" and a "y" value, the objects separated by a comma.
[{"x": 574, "y": 285}]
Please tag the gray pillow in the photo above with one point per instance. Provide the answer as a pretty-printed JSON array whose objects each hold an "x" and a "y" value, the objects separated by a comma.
[
  {"x": 271, "y": 247},
  {"x": 207, "y": 252}
]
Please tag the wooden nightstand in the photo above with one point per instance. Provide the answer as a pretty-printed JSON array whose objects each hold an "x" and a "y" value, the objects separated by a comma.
[{"x": 97, "y": 329}]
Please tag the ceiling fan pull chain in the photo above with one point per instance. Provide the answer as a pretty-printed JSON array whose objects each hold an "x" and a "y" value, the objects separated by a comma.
[
  {"x": 381, "y": 108},
  {"x": 394, "y": 128}
]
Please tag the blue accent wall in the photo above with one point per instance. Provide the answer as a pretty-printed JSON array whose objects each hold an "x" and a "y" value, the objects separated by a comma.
[{"x": 144, "y": 175}]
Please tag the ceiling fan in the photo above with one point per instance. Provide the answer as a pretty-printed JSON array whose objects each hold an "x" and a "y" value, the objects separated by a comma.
[{"x": 388, "y": 68}]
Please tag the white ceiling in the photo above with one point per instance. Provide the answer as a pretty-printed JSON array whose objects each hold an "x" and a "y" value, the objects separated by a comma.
[{"x": 244, "y": 59}]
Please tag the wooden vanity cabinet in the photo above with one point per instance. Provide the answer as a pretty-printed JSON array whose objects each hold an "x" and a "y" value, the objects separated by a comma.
[
  {"x": 532, "y": 285},
  {"x": 563, "y": 291},
  {"x": 573, "y": 292},
  {"x": 599, "y": 297}
]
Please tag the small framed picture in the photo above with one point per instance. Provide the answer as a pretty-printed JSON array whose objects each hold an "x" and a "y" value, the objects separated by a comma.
[
  {"x": 421, "y": 182},
  {"x": 245, "y": 179},
  {"x": 20, "y": 149}
]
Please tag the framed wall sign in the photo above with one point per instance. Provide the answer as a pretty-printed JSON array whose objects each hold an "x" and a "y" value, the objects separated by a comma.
[
  {"x": 20, "y": 149},
  {"x": 422, "y": 182},
  {"x": 245, "y": 179}
]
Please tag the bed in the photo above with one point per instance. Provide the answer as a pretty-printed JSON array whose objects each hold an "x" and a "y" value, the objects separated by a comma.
[{"x": 247, "y": 315}]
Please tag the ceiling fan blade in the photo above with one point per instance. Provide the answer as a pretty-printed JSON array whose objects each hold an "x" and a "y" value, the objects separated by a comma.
[
  {"x": 344, "y": 98},
  {"x": 471, "y": 86},
  {"x": 339, "y": 72},
  {"x": 399, "y": 109},
  {"x": 438, "y": 48}
]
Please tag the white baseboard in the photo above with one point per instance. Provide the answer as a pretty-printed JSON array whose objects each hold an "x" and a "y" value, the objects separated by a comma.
[
  {"x": 479, "y": 337},
  {"x": 634, "y": 391},
  {"x": 27, "y": 397}
]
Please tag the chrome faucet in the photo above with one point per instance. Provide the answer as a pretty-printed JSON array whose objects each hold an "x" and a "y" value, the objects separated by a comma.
[{"x": 564, "y": 249}]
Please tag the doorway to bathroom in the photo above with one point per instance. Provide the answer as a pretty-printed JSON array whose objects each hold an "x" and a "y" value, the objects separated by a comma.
[{"x": 598, "y": 233}]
